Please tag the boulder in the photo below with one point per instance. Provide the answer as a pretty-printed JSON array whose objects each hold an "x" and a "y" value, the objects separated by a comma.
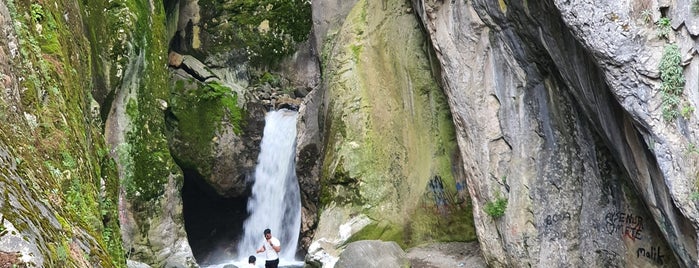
[
  {"x": 373, "y": 253},
  {"x": 175, "y": 59}
]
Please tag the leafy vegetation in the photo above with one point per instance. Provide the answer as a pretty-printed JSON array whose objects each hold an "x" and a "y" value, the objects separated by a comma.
[
  {"x": 497, "y": 207},
  {"x": 695, "y": 7},
  {"x": 271, "y": 79},
  {"x": 692, "y": 148},
  {"x": 3, "y": 230},
  {"x": 687, "y": 111},
  {"x": 647, "y": 16},
  {"x": 664, "y": 27},
  {"x": 672, "y": 83}
]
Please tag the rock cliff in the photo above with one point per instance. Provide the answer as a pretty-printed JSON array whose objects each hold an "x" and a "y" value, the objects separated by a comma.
[
  {"x": 592, "y": 147},
  {"x": 388, "y": 145},
  {"x": 573, "y": 122}
]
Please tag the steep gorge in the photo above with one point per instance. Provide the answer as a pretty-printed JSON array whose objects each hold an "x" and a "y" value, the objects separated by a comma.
[{"x": 541, "y": 129}]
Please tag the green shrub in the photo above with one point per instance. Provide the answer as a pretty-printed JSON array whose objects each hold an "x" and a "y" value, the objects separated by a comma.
[
  {"x": 271, "y": 79},
  {"x": 37, "y": 13},
  {"x": 664, "y": 27},
  {"x": 672, "y": 81},
  {"x": 687, "y": 111},
  {"x": 213, "y": 91},
  {"x": 496, "y": 208},
  {"x": 695, "y": 7}
]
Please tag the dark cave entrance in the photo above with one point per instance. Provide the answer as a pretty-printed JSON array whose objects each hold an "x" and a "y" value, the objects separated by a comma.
[{"x": 213, "y": 223}]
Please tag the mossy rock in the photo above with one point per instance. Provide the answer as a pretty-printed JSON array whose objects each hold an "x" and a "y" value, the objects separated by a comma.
[{"x": 389, "y": 131}]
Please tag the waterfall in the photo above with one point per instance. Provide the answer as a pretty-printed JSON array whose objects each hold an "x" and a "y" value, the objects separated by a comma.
[{"x": 275, "y": 202}]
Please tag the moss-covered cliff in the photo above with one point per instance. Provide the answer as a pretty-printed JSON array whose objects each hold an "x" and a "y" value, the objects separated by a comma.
[
  {"x": 389, "y": 135},
  {"x": 77, "y": 74},
  {"x": 59, "y": 185},
  {"x": 129, "y": 48}
]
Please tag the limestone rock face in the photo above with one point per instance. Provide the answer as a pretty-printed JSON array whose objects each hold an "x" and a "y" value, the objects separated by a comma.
[
  {"x": 308, "y": 152},
  {"x": 556, "y": 105},
  {"x": 150, "y": 206},
  {"x": 388, "y": 140},
  {"x": 213, "y": 139},
  {"x": 328, "y": 16}
]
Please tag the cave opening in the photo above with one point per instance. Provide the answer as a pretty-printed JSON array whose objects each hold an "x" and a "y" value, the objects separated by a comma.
[{"x": 214, "y": 224}]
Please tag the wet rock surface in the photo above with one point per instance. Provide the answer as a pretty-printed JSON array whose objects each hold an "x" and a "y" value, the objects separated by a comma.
[{"x": 453, "y": 254}]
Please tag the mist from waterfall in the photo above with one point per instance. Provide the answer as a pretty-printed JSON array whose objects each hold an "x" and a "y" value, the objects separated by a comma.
[{"x": 275, "y": 202}]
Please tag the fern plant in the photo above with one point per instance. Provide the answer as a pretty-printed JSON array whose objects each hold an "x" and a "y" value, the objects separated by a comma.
[{"x": 672, "y": 81}]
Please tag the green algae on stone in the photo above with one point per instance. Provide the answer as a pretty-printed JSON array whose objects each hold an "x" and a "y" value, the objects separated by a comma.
[
  {"x": 389, "y": 129},
  {"x": 383, "y": 230},
  {"x": 57, "y": 174},
  {"x": 197, "y": 112},
  {"x": 267, "y": 30}
]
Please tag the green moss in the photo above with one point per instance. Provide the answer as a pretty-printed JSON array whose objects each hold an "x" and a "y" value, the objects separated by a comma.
[
  {"x": 341, "y": 189},
  {"x": 273, "y": 80},
  {"x": 198, "y": 111},
  {"x": 82, "y": 203},
  {"x": 428, "y": 224},
  {"x": 384, "y": 231},
  {"x": 356, "y": 51},
  {"x": 289, "y": 24},
  {"x": 56, "y": 153},
  {"x": 228, "y": 99},
  {"x": 384, "y": 146}
]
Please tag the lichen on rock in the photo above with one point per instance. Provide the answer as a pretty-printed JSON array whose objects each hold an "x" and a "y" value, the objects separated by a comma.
[{"x": 389, "y": 133}]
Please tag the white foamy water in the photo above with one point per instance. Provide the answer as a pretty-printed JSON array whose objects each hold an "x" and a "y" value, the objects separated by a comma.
[
  {"x": 275, "y": 202},
  {"x": 261, "y": 264}
]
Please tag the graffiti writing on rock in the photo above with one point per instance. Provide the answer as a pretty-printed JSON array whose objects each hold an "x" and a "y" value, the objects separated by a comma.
[
  {"x": 555, "y": 218},
  {"x": 437, "y": 187},
  {"x": 442, "y": 198},
  {"x": 653, "y": 254},
  {"x": 630, "y": 226}
]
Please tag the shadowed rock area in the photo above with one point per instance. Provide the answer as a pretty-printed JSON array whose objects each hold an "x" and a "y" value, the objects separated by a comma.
[{"x": 213, "y": 223}]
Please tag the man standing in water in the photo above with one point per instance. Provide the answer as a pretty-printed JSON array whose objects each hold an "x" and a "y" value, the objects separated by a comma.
[{"x": 271, "y": 247}]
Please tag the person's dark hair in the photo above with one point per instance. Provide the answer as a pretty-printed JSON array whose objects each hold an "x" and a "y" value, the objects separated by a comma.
[
  {"x": 268, "y": 231},
  {"x": 252, "y": 259}
]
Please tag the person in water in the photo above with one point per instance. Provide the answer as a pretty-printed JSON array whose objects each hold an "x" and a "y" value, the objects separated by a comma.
[
  {"x": 251, "y": 262},
  {"x": 271, "y": 247}
]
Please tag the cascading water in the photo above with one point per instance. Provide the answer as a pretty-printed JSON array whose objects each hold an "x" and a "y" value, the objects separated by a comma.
[{"x": 275, "y": 202}]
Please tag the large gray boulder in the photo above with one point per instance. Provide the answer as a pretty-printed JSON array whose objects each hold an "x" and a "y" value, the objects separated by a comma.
[{"x": 373, "y": 254}]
